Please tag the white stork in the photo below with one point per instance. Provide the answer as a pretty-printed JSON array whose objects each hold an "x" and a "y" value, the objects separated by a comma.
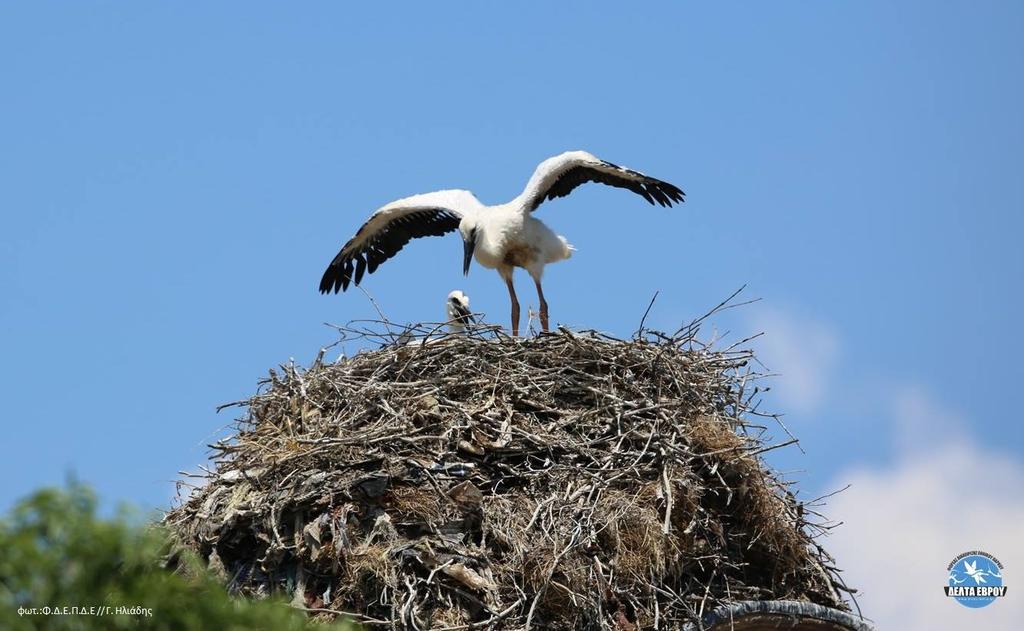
[
  {"x": 502, "y": 237},
  {"x": 457, "y": 308}
]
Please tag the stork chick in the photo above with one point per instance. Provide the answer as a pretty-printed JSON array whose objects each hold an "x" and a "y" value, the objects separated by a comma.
[{"x": 459, "y": 314}]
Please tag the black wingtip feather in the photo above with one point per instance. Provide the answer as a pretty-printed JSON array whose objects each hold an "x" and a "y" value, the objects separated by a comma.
[
  {"x": 353, "y": 262},
  {"x": 326, "y": 282},
  {"x": 346, "y": 274},
  {"x": 654, "y": 191},
  {"x": 330, "y": 282},
  {"x": 360, "y": 268}
]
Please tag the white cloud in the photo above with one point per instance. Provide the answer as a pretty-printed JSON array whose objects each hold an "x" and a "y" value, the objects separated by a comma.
[
  {"x": 904, "y": 523},
  {"x": 922, "y": 423},
  {"x": 803, "y": 351}
]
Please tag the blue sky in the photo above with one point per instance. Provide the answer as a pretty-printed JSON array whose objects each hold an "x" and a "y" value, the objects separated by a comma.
[{"x": 175, "y": 179}]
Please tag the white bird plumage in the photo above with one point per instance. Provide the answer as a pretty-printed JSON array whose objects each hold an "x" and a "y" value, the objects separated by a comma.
[
  {"x": 457, "y": 308},
  {"x": 500, "y": 237}
]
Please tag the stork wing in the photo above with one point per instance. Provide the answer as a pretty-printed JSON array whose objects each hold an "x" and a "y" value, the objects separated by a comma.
[
  {"x": 560, "y": 175},
  {"x": 390, "y": 228}
]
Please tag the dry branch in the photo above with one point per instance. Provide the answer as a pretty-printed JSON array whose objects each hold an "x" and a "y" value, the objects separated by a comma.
[{"x": 567, "y": 481}]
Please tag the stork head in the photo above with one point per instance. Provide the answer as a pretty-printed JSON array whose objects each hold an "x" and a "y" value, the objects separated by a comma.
[
  {"x": 457, "y": 307},
  {"x": 469, "y": 231}
]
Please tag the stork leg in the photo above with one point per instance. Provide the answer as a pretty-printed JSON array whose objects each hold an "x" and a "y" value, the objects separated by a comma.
[
  {"x": 543, "y": 306},
  {"x": 515, "y": 303}
]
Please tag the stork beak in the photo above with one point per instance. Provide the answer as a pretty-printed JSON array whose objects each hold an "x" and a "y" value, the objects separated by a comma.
[
  {"x": 462, "y": 313},
  {"x": 469, "y": 245}
]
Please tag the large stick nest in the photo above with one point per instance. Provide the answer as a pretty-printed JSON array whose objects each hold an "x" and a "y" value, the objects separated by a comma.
[{"x": 566, "y": 481}]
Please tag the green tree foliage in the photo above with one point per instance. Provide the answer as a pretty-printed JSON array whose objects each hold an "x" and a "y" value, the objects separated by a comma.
[{"x": 56, "y": 552}]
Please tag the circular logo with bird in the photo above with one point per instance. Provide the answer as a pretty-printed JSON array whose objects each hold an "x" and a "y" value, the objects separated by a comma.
[{"x": 975, "y": 579}]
